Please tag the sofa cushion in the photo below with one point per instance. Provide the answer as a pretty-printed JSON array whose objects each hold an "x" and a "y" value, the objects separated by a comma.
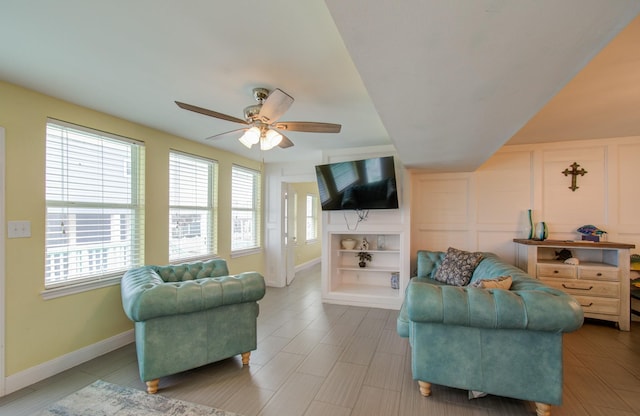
[
  {"x": 457, "y": 267},
  {"x": 500, "y": 282}
]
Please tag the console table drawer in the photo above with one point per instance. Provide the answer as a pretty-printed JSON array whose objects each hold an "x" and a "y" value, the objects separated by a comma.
[
  {"x": 604, "y": 306},
  {"x": 556, "y": 271},
  {"x": 598, "y": 273},
  {"x": 582, "y": 288}
]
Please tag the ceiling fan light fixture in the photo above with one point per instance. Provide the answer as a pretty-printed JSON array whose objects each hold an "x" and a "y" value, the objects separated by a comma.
[
  {"x": 270, "y": 140},
  {"x": 250, "y": 137},
  {"x": 261, "y": 118}
]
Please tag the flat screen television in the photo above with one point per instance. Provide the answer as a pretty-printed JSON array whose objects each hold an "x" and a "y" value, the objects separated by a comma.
[{"x": 358, "y": 184}]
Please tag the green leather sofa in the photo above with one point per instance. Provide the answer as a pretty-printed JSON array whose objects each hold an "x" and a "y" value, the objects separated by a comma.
[
  {"x": 189, "y": 315},
  {"x": 502, "y": 342}
]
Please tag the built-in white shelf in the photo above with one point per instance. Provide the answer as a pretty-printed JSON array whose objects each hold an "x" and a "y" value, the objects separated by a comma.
[
  {"x": 370, "y": 269},
  {"x": 367, "y": 290},
  {"x": 345, "y": 282}
]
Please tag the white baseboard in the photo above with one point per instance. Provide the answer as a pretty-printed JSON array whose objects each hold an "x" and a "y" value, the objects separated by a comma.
[
  {"x": 297, "y": 269},
  {"x": 32, "y": 375},
  {"x": 307, "y": 265}
]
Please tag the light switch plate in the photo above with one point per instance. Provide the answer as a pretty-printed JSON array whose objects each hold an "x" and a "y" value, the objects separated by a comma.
[{"x": 19, "y": 229}]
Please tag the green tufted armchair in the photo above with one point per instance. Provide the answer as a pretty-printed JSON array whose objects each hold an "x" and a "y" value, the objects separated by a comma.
[{"x": 189, "y": 315}]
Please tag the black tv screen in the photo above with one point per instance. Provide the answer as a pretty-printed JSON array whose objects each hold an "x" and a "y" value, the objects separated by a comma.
[{"x": 358, "y": 184}]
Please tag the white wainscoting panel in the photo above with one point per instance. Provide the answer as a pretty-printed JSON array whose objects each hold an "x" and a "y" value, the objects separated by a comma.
[
  {"x": 441, "y": 200},
  {"x": 498, "y": 242},
  {"x": 629, "y": 186},
  {"x": 440, "y": 240},
  {"x": 587, "y": 205},
  {"x": 504, "y": 183},
  {"x": 486, "y": 209}
]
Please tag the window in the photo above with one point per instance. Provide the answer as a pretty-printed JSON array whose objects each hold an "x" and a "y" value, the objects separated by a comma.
[
  {"x": 95, "y": 210},
  {"x": 344, "y": 174},
  {"x": 192, "y": 206},
  {"x": 245, "y": 208},
  {"x": 325, "y": 195},
  {"x": 312, "y": 218}
]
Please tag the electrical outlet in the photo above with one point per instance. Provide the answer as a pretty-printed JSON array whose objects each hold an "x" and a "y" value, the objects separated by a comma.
[{"x": 19, "y": 229}]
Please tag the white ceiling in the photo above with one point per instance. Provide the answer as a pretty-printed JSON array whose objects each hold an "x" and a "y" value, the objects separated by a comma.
[{"x": 447, "y": 82}]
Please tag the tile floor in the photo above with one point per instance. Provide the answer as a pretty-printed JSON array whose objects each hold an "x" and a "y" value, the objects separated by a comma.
[{"x": 317, "y": 359}]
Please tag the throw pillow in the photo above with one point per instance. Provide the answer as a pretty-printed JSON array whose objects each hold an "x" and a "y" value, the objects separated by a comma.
[
  {"x": 501, "y": 282},
  {"x": 457, "y": 267}
]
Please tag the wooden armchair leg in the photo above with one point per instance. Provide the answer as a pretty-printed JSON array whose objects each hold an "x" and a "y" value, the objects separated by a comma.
[
  {"x": 152, "y": 386},
  {"x": 425, "y": 388},
  {"x": 543, "y": 409},
  {"x": 245, "y": 357}
]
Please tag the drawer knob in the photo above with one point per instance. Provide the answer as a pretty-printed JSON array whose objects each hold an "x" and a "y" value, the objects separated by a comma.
[
  {"x": 577, "y": 288},
  {"x": 598, "y": 274},
  {"x": 586, "y": 306},
  {"x": 556, "y": 271}
]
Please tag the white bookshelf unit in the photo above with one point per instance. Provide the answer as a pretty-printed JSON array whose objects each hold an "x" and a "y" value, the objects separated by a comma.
[{"x": 347, "y": 283}]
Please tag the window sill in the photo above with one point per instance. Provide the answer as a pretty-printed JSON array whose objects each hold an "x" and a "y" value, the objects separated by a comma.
[
  {"x": 194, "y": 259},
  {"x": 246, "y": 252},
  {"x": 58, "y": 292}
]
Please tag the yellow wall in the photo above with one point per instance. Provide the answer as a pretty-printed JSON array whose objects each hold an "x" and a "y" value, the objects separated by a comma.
[
  {"x": 38, "y": 331},
  {"x": 304, "y": 251}
]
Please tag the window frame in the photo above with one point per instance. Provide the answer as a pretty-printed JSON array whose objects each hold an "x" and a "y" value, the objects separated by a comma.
[
  {"x": 311, "y": 202},
  {"x": 211, "y": 205},
  {"x": 255, "y": 208},
  {"x": 59, "y": 200}
]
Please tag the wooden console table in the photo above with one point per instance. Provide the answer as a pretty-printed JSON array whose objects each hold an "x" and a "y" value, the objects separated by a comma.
[{"x": 600, "y": 282}]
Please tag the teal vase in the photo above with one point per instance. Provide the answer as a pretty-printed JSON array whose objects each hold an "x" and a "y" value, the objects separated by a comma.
[
  {"x": 542, "y": 232},
  {"x": 531, "y": 229}
]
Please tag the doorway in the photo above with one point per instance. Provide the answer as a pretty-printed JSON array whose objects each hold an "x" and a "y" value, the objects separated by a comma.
[
  {"x": 289, "y": 223},
  {"x": 300, "y": 226}
]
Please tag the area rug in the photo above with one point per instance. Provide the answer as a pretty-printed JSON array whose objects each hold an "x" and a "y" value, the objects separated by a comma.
[{"x": 106, "y": 399}]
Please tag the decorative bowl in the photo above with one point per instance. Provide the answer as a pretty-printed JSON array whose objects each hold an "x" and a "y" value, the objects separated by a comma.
[{"x": 348, "y": 243}]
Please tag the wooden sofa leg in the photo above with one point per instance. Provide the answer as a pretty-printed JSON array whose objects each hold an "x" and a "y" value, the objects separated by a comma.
[
  {"x": 152, "y": 386},
  {"x": 425, "y": 388},
  {"x": 543, "y": 409},
  {"x": 245, "y": 357}
]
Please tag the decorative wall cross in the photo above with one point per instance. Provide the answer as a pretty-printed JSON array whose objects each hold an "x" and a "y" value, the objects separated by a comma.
[{"x": 574, "y": 172}]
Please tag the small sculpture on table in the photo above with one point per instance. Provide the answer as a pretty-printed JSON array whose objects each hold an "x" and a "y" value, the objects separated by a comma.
[{"x": 592, "y": 233}]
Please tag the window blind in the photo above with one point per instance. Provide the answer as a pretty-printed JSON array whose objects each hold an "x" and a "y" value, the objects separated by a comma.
[
  {"x": 312, "y": 218},
  {"x": 245, "y": 208},
  {"x": 192, "y": 206},
  {"x": 95, "y": 209},
  {"x": 344, "y": 174}
]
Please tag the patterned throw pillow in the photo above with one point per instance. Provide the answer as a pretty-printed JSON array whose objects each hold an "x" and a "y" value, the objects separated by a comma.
[
  {"x": 457, "y": 267},
  {"x": 500, "y": 282}
]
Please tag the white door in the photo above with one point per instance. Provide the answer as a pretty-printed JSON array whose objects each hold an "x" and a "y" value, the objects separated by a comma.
[{"x": 289, "y": 232}]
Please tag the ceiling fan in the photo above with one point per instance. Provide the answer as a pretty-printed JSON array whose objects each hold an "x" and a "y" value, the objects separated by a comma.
[{"x": 261, "y": 120}]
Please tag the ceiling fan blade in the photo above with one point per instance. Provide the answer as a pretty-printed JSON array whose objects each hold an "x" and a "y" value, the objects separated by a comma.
[
  {"x": 276, "y": 104},
  {"x": 236, "y": 134},
  {"x": 209, "y": 113},
  {"x": 285, "y": 142},
  {"x": 308, "y": 126}
]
